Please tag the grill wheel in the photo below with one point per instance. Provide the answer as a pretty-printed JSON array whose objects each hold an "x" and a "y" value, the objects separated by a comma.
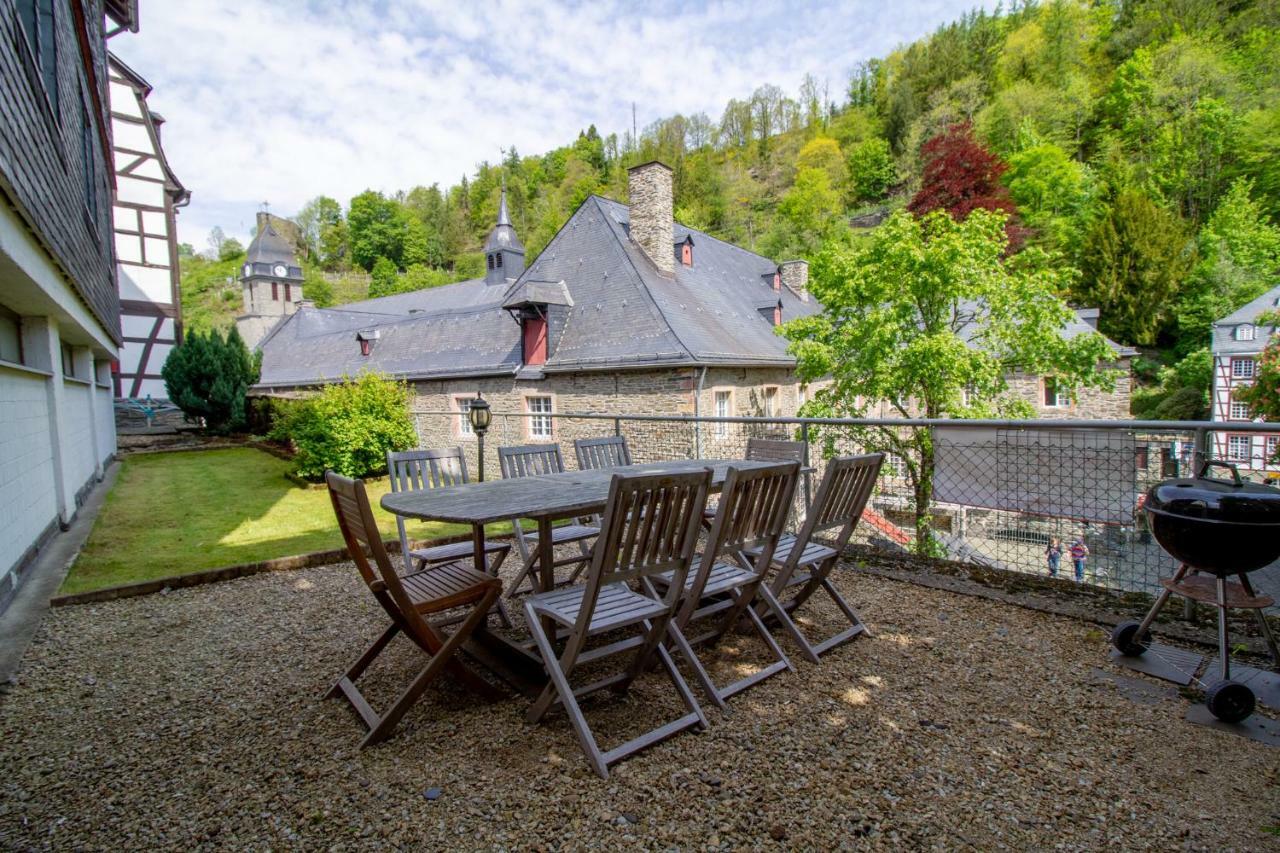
[
  {"x": 1126, "y": 640},
  {"x": 1229, "y": 701}
]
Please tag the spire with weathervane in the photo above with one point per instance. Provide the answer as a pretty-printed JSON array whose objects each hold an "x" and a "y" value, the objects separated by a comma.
[{"x": 503, "y": 251}]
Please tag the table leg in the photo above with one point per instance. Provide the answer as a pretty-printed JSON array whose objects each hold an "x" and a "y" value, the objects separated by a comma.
[{"x": 477, "y": 546}]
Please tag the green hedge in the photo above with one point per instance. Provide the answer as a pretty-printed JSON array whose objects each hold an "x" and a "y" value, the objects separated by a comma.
[{"x": 348, "y": 427}]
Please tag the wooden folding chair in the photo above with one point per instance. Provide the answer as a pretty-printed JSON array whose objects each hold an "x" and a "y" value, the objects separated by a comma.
[
  {"x": 532, "y": 460},
  {"x": 650, "y": 527},
  {"x": 610, "y": 452},
  {"x": 407, "y": 599},
  {"x": 723, "y": 583},
  {"x": 435, "y": 469},
  {"x": 766, "y": 450},
  {"x": 806, "y": 564}
]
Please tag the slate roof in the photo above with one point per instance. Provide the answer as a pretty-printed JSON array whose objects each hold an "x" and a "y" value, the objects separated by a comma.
[
  {"x": 1223, "y": 338},
  {"x": 503, "y": 235},
  {"x": 268, "y": 247},
  {"x": 624, "y": 314}
]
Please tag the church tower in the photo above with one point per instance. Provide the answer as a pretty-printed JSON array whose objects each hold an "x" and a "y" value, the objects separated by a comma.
[
  {"x": 503, "y": 251},
  {"x": 270, "y": 281}
]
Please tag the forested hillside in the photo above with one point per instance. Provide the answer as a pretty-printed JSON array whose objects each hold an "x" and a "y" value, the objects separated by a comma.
[{"x": 1140, "y": 141}]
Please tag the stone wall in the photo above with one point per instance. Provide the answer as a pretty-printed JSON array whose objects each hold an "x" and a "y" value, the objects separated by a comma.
[
  {"x": 640, "y": 392},
  {"x": 1090, "y": 404}
]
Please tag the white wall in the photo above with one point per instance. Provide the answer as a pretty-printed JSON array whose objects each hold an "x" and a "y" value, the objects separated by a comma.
[
  {"x": 78, "y": 462},
  {"x": 28, "y": 493}
]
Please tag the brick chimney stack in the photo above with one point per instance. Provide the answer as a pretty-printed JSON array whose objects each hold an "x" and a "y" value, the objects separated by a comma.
[
  {"x": 649, "y": 185},
  {"x": 795, "y": 275}
]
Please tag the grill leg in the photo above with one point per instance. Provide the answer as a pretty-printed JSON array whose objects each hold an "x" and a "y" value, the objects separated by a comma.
[
  {"x": 1261, "y": 616},
  {"x": 1161, "y": 600},
  {"x": 1222, "y": 628}
]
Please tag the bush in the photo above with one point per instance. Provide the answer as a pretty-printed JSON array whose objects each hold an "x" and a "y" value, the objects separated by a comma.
[
  {"x": 348, "y": 427},
  {"x": 207, "y": 377}
]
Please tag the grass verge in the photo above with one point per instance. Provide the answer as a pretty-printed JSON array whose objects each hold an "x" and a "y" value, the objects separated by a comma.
[{"x": 177, "y": 513}]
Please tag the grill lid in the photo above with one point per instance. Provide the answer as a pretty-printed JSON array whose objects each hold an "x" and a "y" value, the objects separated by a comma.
[{"x": 1215, "y": 499}]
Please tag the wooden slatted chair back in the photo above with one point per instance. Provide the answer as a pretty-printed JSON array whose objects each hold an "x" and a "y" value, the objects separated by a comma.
[
  {"x": 773, "y": 450},
  {"x": 364, "y": 544},
  {"x": 842, "y": 496},
  {"x": 530, "y": 460},
  {"x": 650, "y": 526},
  {"x": 411, "y": 470},
  {"x": 609, "y": 452},
  {"x": 753, "y": 508}
]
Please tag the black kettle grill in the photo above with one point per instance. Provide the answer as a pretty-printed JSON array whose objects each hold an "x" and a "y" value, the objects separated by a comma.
[{"x": 1216, "y": 528}]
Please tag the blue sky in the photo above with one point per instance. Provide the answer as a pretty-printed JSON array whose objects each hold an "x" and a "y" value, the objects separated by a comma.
[{"x": 282, "y": 101}]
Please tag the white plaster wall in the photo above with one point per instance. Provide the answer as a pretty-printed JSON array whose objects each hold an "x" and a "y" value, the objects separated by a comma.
[
  {"x": 28, "y": 494},
  {"x": 106, "y": 415},
  {"x": 78, "y": 462}
]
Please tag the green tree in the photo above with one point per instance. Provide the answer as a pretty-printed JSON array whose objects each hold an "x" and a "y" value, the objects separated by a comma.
[
  {"x": 315, "y": 217},
  {"x": 317, "y": 288},
  {"x": 811, "y": 208},
  {"x": 208, "y": 375},
  {"x": 421, "y": 277},
  {"x": 376, "y": 229},
  {"x": 823, "y": 152},
  {"x": 1134, "y": 260},
  {"x": 1055, "y": 194},
  {"x": 385, "y": 278},
  {"x": 230, "y": 249},
  {"x": 927, "y": 317},
  {"x": 1239, "y": 260},
  {"x": 871, "y": 170}
]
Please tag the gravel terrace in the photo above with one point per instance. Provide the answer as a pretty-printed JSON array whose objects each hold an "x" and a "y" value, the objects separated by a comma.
[{"x": 193, "y": 720}]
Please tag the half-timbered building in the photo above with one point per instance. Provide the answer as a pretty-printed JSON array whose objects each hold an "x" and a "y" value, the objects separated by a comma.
[
  {"x": 1238, "y": 341},
  {"x": 148, "y": 195}
]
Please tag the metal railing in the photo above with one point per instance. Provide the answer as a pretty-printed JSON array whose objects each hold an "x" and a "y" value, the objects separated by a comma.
[{"x": 1002, "y": 489}]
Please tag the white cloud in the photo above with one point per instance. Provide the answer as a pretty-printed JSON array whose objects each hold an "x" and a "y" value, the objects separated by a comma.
[{"x": 282, "y": 102}]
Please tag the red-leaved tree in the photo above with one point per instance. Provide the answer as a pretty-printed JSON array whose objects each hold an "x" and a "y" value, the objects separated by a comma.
[{"x": 960, "y": 176}]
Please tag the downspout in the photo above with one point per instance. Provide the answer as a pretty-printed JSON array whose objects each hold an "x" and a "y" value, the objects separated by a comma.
[{"x": 697, "y": 412}]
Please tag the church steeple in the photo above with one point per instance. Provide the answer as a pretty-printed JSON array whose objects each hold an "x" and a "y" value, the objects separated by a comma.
[{"x": 503, "y": 251}]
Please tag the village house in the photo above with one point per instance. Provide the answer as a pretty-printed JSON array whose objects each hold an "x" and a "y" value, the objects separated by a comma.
[
  {"x": 59, "y": 304},
  {"x": 625, "y": 311},
  {"x": 1238, "y": 341},
  {"x": 144, "y": 217}
]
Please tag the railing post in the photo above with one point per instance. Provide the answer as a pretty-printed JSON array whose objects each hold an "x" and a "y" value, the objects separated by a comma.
[
  {"x": 808, "y": 476},
  {"x": 617, "y": 426}
]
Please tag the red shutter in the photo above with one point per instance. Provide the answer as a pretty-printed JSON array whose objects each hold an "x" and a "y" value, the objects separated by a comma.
[
  {"x": 288, "y": 292},
  {"x": 275, "y": 291},
  {"x": 535, "y": 340}
]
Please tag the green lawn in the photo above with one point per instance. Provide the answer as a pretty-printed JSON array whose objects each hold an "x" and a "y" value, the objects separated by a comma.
[{"x": 175, "y": 513}]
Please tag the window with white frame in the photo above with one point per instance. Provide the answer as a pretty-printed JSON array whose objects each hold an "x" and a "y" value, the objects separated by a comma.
[
  {"x": 464, "y": 420},
  {"x": 723, "y": 409},
  {"x": 1055, "y": 396},
  {"x": 1244, "y": 332},
  {"x": 539, "y": 409},
  {"x": 771, "y": 401},
  {"x": 895, "y": 466},
  {"x": 1273, "y": 446},
  {"x": 1238, "y": 411},
  {"x": 1238, "y": 448},
  {"x": 1241, "y": 368}
]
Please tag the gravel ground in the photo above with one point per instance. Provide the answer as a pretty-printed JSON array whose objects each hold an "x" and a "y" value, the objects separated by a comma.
[{"x": 193, "y": 720}]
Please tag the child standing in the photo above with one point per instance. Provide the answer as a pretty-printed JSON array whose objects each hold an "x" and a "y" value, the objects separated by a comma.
[
  {"x": 1079, "y": 553},
  {"x": 1054, "y": 555}
]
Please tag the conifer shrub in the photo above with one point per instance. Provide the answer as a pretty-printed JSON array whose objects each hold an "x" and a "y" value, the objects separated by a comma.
[
  {"x": 348, "y": 427},
  {"x": 207, "y": 377}
]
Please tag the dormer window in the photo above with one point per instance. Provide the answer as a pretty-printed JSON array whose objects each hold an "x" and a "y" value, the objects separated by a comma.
[
  {"x": 366, "y": 339},
  {"x": 684, "y": 251},
  {"x": 777, "y": 314},
  {"x": 1244, "y": 332},
  {"x": 777, "y": 280},
  {"x": 533, "y": 328}
]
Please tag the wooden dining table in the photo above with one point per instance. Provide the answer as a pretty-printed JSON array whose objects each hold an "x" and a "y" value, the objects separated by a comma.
[{"x": 544, "y": 499}]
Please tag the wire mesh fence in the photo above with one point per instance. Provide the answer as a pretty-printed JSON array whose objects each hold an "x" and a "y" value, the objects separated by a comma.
[{"x": 1035, "y": 497}]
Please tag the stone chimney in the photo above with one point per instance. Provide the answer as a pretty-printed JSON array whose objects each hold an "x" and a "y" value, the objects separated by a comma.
[
  {"x": 651, "y": 211},
  {"x": 795, "y": 275}
]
